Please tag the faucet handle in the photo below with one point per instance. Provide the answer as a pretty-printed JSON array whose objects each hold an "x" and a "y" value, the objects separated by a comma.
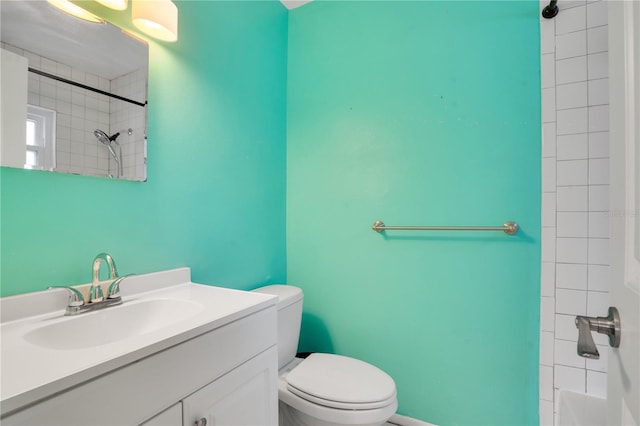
[
  {"x": 114, "y": 287},
  {"x": 75, "y": 296}
]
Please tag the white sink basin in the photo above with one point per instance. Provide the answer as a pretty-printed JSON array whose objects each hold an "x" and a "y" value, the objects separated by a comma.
[{"x": 112, "y": 324}]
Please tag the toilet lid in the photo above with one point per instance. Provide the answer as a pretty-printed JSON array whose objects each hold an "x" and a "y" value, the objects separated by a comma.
[{"x": 341, "y": 382}]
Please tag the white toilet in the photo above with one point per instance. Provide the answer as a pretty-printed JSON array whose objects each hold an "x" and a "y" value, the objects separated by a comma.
[{"x": 325, "y": 389}]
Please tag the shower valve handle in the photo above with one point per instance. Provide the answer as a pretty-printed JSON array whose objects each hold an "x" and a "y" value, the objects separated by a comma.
[{"x": 609, "y": 325}]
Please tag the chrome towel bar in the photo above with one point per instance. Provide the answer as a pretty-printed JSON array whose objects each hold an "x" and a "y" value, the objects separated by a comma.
[{"x": 508, "y": 228}]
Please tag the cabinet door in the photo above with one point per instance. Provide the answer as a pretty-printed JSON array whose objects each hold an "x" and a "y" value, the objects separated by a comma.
[
  {"x": 172, "y": 416},
  {"x": 247, "y": 395}
]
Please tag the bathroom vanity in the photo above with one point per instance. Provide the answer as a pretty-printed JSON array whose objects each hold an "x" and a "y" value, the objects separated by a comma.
[{"x": 174, "y": 353}]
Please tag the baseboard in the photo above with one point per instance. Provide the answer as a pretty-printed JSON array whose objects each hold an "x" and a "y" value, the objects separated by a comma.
[{"x": 399, "y": 420}]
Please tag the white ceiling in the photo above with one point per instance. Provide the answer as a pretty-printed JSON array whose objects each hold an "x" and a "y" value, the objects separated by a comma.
[
  {"x": 100, "y": 49},
  {"x": 292, "y": 4}
]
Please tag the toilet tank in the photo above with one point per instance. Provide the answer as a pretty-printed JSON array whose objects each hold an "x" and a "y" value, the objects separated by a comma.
[{"x": 289, "y": 319}]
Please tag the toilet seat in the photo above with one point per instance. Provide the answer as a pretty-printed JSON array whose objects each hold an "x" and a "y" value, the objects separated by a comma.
[{"x": 341, "y": 382}]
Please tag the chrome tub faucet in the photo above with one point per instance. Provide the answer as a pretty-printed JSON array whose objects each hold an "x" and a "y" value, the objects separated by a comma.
[{"x": 609, "y": 325}]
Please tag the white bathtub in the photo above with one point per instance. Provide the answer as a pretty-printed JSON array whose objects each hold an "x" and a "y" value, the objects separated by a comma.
[{"x": 576, "y": 409}]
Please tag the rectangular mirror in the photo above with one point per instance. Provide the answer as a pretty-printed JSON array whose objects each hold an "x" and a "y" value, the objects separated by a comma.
[{"x": 73, "y": 94}]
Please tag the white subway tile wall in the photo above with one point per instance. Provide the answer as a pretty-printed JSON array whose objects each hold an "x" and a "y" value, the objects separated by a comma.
[
  {"x": 571, "y": 302},
  {"x": 599, "y": 364},
  {"x": 566, "y": 327},
  {"x": 571, "y": 45},
  {"x": 572, "y": 198},
  {"x": 546, "y": 348},
  {"x": 571, "y": 70},
  {"x": 572, "y": 95},
  {"x": 546, "y": 382},
  {"x": 570, "y": 121},
  {"x": 546, "y": 412},
  {"x": 80, "y": 112},
  {"x": 548, "y": 279},
  {"x": 597, "y": 383},
  {"x": 571, "y": 276},
  {"x": 573, "y": 147},
  {"x": 569, "y": 378},
  {"x": 575, "y": 200},
  {"x": 598, "y": 65},
  {"x": 549, "y": 139},
  {"x": 599, "y": 144},
  {"x": 125, "y": 116},
  {"x": 565, "y": 354}
]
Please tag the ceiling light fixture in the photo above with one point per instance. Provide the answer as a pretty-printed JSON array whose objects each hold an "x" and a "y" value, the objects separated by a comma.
[
  {"x": 114, "y": 4},
  {"x": 70, "y": 8},
  {"x": 157, "y": 18}
]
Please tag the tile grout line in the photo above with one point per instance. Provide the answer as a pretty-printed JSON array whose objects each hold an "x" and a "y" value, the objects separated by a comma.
[
  {"x": 555, "y": 236},
  {"x": 588, "y": 185}
]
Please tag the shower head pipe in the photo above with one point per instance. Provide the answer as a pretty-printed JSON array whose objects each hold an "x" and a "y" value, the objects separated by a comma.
[{"x": 551, "y": 10}]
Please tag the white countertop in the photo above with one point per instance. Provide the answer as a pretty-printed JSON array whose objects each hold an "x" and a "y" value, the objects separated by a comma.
[{"x": 30, "y": 372}]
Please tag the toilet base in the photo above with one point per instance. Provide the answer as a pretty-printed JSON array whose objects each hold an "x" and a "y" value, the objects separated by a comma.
[{"x": 289, "y": 416}]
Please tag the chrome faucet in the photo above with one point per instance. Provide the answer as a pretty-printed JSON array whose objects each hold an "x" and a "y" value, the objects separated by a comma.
[
  {"x": 77, "y": 303},
  {"x": 609, "y": 325},
  {"x": 96, "y": 290}
]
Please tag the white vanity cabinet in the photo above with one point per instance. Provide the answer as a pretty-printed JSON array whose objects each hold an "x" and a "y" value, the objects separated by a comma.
[
  {"x": 242, "y": 397},
  {"x": 227, "y": 375},
  {"x": 172, "y": 416}
]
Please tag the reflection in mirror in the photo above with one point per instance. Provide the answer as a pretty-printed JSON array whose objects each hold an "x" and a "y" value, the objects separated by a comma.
[{"x": 73, "y": 94}]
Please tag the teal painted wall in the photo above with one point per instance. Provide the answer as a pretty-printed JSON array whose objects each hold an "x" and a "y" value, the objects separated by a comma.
[
  {"x": 408, "y": 112},
  {"x": 420, "y": 113},
  {"x": 215, "y": 196}
]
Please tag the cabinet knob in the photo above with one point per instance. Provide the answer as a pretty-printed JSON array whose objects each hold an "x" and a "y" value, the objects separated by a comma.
[{"x": 201, "y": 422}]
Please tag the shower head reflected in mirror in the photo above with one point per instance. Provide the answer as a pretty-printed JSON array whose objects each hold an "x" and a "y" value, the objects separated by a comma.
[
  {"x": 101, "y": 136},
  {"x": 105, "y": 139}
]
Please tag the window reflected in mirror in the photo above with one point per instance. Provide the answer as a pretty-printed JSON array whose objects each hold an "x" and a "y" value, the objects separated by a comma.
[{"x": 41, "y": 138}]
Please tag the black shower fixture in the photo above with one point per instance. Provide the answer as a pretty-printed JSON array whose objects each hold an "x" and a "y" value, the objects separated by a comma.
[{"x": 551, "y": 10}]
